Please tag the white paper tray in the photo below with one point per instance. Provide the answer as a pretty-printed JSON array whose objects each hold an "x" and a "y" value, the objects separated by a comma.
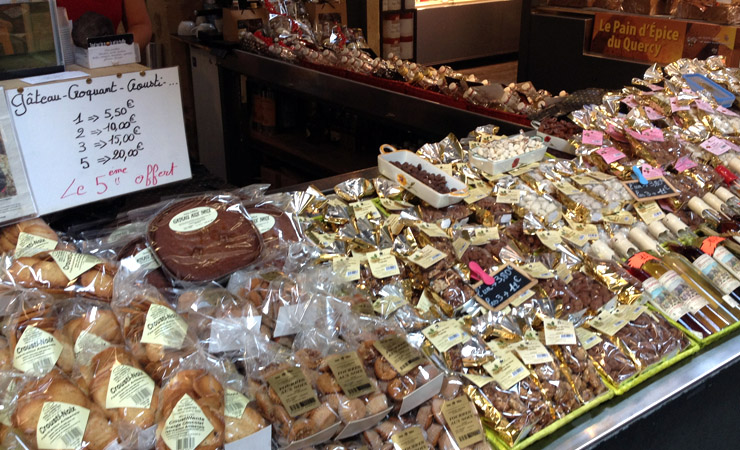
[
  {"x": 554, "y": 142},
  {"x": 416, "y": 187}
]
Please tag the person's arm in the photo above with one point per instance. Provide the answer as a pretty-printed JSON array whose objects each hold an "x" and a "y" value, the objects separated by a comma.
[{"x": 136, "y": 20}]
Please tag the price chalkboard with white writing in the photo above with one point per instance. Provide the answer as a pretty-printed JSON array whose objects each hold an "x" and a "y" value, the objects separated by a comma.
[
  {"x": 89, "y": 139},
  {"x": 655, "y": 189},
  {"x": 508, "y": 283}
]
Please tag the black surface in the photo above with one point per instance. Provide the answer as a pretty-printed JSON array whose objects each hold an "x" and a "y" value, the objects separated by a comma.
[{"x": 551, "y": 54}]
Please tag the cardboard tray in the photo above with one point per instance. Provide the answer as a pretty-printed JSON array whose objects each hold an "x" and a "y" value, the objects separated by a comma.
[
  {"x": 554, "y": 142},
  {"x": 435, "y": 199}
]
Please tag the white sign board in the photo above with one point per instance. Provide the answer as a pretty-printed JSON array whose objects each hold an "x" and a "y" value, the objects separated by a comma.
[{"x": 87, "y": 140}]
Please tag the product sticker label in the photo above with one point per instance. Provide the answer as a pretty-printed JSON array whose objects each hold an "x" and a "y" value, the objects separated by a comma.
[
  {"x": 590, "y": 230},
  {"x": 409, "y": 439},
  {"x": 432, "y": 230},
  {"x": 537, "y": 270},
  {"x": 365, "y": 209},
  {"x": 653, "y": 114},
  {"x": 235, "y": 403},
  {"x": 532, "y": 352},
  {"x": 36, "y": 352},
  {"x": 593, "y": 137},
  {"x": 482, "y": 235},
  {"x": 629, "y": 312},
  {"x": 630, "y": 101},
  {"x": 550, "y": 238},
  {"x": 639, "y": 259},
  {"x": 582, "y": 179},
  {"x": 650, "y": 172},
  {"x": 684, "y": 163},
  {"x": 588, "y": 339},
  {"x": 324, "y": 239},
  {"x": 506, "y": 369},
  {"x": 726, "y": 111},
  {"x": 347, "y": 268},
  {"x": 717, "y": 274},
  {"x": 728, "y": 260},
  {"x": 402, "y": 356},
  {"x": 74, "y": 264},
  {"x": 364, "y": 308},
  {"x": 578, "y": 238},
  {"x": 676, "y": 106},
  {"x": 61, "y": 426},
  {"x": 608, "y": 323},
  {"x": 622, "y": 217},
  {"x": 478, "y": 193},
  {"x": 509, "y": 196},
  {"x": 718, "y": 146},
  {"x": 193, "y": 219},
  {"x": 124, "y": 232},
  {"x": 446, "y": 334},
  {"x": 395, "y": 205},
  {"x": 600, "y": 176},
  {"x": 463, "y": 421},
  {"x": 461, "y": 245},
  {"x": 610, "y": 154},
  {"x": 385, "y": 306},
  {"x": 522, "y": 298},
  {"x": 559, "y": 332},
  {"x": 566, "y": 188},
  {"x": 446, "y": 168},
  {"x": 424, "y": 303},
  {"x": 146, "y": 260},
  {"x": 692, "y": 301},
  {"x": 394, "y": 224},
  {"x": 88, "y": 345},
  {"x": 294, "y": 391},
  {"x": 187, "y": 426},
  {"x": 263, "y": 222},
  {"x": 350, "y": 374},
  {"x": 129, "y": 387},
  {"x": 478, "y": 380},
  {"x": 523, "y": 169},
  {"x": 30, "y": 244},
  {"x": 164, "y": 326},
  {"x": 704, "y": 106},
  {"x": 383, "y": 264},
  {"x": 427, "y": 256},
  {"x": 649, "y": 212}
]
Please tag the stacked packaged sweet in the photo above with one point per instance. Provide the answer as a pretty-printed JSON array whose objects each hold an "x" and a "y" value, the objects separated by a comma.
[{"x": 368, "y": 317}]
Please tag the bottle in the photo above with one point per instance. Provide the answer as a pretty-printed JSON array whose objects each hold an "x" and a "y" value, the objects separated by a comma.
[
  {"x": 680, "y": 229},
  {"x": 725, "y": 251},
  {"x": 729, "y": 175},
  {"x": 662, "y": 234},
  {"x": 692, "y": 303},
  {"x": 729, "y": 198},
  {"x": 683, "y": 269},
  {"x": 720, "y": 206},
  {"x": 718, "y": 275},
  {"x": 668, "y": 303},
  {"x": 712, "y": 217}
]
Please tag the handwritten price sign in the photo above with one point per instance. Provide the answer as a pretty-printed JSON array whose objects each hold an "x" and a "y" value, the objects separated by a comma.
[{"x": 87, "y": 140}]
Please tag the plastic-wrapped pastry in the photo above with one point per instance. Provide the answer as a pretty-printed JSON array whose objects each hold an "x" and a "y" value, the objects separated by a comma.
[{"x": 54, "y": 413}]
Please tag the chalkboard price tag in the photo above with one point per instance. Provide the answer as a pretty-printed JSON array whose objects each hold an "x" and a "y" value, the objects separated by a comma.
[
  {"x": 655, "y": 189},
  {"x": 508, "y": 284}
]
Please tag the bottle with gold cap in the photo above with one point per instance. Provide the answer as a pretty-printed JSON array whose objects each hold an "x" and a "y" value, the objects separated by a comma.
[{"x": 728, "y": 313}]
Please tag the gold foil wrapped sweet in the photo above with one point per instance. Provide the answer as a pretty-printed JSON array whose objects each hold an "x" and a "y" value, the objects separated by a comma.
[{"x": 354, "y": 189}]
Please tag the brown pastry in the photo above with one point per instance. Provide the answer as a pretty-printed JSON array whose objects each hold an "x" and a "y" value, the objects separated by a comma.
[
  {"x": 207, "y": 392},
  {"x": 55, "y": 387},
  {"x": 204, "y": 239}
]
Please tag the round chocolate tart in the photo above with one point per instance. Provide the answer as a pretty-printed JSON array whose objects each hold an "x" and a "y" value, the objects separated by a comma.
[
  {"x": 273, "y": 223},
  {"x": 204, "y": 238}
]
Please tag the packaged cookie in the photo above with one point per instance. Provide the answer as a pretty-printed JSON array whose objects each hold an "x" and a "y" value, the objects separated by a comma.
[
  {"x": 612, "y": 357},
  {"x": 34, "y": 339},
  {"x": 52, "y": 412},
  {"x": 285, "y": 390},
  {"x": 191, "y": 406},
  {"x": 125, "y": 393},
  {"x": 28, "y": 238},
  {"x": 406, "y": 376},
  {"x": 153, "y": 331},
  {"x": 204, "y": 238},
  {"x": 62, "y": 271}
]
